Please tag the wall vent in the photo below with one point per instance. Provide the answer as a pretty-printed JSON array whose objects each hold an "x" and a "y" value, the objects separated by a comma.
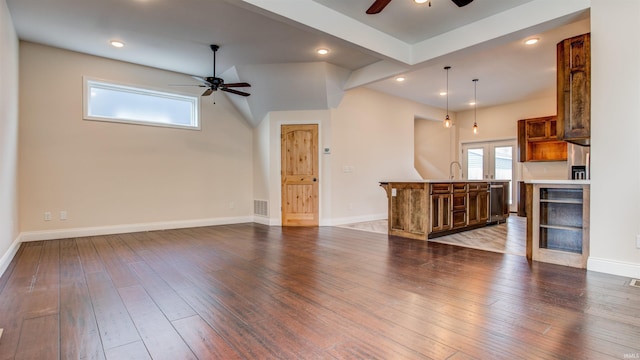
[
  {"x": 635, "y": 283},
  {"x": 261, "y": 207}
]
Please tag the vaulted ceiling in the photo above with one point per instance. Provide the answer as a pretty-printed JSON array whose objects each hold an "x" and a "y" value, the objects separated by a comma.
[{"x": 272, "y": 45}]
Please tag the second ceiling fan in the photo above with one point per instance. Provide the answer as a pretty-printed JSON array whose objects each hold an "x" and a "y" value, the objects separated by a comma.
[{"x": 379, "y": 5}]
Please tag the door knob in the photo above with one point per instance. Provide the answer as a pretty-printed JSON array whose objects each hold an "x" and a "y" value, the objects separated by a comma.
[{"x": 314, "y": 179}]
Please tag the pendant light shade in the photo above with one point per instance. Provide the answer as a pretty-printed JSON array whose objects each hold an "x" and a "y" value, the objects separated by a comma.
[
  {"x": 475, "y": 106},
  {"x": 447, "y": 120}
]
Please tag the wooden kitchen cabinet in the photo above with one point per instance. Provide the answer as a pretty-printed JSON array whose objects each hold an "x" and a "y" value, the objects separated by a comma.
[
  {"x": 478, "y": 200},
  {"x": 574, "y": 89},
  {"x": 440, "y": 207},
  {"x": 459, "y": 205},
  {"x": 537, "y": 140},
  {"x": 408, "y": 209}
]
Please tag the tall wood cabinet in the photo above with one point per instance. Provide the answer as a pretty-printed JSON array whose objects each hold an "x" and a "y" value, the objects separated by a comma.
[{"x": 574, "y": 89}]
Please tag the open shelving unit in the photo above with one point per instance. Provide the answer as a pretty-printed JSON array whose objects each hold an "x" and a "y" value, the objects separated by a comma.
[{"x": 561, "y": 224}]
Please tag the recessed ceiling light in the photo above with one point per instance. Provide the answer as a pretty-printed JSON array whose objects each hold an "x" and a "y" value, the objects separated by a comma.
[
  {"x": 400, "y": 79},
  {"x": 531, "y": 41},
  {"x": 322, "y": 51},
  {"x": 116, "y": 43},
  {"x": 420, "y": 1},
  {"x": 472, "y": 103},
  {"x": 443, "y": 93}
]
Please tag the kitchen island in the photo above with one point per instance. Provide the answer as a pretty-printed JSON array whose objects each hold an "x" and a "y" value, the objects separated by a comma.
[{"x": 424, "y": 209}]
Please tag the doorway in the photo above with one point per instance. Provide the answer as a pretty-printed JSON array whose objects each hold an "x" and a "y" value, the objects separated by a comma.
[
  {"x": 492, "y": 160},
  {"x": 299, "y": 177}
]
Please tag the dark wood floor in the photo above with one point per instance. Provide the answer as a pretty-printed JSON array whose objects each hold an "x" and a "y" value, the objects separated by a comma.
[{"x": 256, "y": 292}]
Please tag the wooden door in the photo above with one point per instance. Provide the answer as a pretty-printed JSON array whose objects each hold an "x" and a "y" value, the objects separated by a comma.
[{"x": 299, "y": 149}]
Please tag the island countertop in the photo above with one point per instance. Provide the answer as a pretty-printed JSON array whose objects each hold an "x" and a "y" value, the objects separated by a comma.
[{"x": 429, "y": 181}]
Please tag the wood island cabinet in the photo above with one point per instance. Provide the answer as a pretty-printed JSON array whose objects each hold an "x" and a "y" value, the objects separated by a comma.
[
  {"x": 440, "y": 214},
  {"x": 537, "y": 140},
  {"x": 422, "y": 210},
  {"x": 478, "y": 203},
  {"x": 574, "y": 89}
]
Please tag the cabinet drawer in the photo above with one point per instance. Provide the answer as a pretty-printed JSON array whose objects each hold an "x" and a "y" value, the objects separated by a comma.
[
  {"x": 478, "y": 186},
  {"x": 440, "y": 188},
  {"x": 459, "y": 187}
]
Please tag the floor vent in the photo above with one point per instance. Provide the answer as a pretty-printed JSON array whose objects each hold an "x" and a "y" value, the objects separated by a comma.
[
  {"x": 635, "y": 283},
  {"x": 261, "y": 207}
]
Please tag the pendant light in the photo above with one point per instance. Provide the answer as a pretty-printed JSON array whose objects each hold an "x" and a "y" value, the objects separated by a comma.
[
  {"x": 447, "y": 120},
  {"x": 475, "y": 106}
]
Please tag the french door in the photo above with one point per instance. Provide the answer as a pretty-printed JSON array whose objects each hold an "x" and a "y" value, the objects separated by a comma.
[{"x": 492, "y": 160}]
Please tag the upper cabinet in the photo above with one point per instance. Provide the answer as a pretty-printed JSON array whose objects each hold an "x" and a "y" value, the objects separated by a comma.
[
  {"x": 574, "y": 89},
  {"x": 537, "y": 140}
]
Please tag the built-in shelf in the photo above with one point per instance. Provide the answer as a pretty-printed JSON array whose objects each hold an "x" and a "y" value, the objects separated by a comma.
[{"x": 559, "y": 223}]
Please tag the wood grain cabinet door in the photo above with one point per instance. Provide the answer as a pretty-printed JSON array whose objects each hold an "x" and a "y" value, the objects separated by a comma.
[{"x": 299, "y": 151}]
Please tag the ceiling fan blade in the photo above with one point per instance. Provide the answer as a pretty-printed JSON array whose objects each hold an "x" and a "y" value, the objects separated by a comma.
[
  {"x": 207, "y": 92},
  {"x": 235, "y": 91},
  {"x": 186, "y": 85},
  {"x": 201, "y": 79},
  {"x": 377, "y": 6},
  {"x": 462, "y": 3},
  {"x": 240, "y": 84}
]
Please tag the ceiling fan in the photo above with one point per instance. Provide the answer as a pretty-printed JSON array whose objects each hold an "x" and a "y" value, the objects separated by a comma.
[
  {"x": 214, "y": 83},
  {"x": 379, "y": 5}
]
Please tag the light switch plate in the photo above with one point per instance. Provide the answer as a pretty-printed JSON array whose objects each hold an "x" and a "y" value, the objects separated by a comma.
[{"x": 638, "y": 241}]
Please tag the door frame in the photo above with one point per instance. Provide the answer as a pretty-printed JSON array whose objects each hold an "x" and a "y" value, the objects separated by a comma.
[
  {"x": 278, "y": 155},
  {"x": 516, "y": 167}
]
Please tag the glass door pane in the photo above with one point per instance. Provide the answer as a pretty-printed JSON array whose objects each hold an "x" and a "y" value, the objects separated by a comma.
[
  {"x": 475, "y": 163},
  {"x": 503, "y": 166}
]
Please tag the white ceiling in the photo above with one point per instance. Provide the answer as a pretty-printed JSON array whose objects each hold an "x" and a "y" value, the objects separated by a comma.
[{"x": 481, "y": 40}]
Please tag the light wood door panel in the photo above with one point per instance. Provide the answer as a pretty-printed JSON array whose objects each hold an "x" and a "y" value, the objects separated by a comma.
[{"x": 299, "y": 149}]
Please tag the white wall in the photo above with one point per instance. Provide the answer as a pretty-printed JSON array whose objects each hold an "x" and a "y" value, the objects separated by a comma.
[
  {"x": 615, "y": 134},
  {"x": 374, "y": 134},
  {"x": 8, "y": 138},
  {"x": 434, "y": 148},
  {"x": 113, "y": 175}
]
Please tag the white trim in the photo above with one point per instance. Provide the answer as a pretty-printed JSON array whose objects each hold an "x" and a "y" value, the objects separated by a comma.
[
  {"x": 128, "y": 228},
  {"x": 353, "y": 219},
  {"x": 613, "y": 267},
  {"x": 8, "y": 256}
]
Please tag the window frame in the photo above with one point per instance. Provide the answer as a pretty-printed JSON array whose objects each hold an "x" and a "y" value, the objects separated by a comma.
[{"x": 88, "y": 83}]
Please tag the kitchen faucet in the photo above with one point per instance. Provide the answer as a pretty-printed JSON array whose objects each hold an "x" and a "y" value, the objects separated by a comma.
[{"x": 451, "y": 168}]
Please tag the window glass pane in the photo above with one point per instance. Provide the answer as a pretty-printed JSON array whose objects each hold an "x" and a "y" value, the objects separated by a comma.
[
  {"x": 112, "y": 102},
  {"x": 475, "y": 164}
]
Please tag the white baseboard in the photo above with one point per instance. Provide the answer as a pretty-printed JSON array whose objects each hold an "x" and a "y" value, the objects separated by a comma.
[
  {"x": 128, "y": 228},
  {"x": 5, "y": 260},
  {"x": 266, "y": 221},
  {"x": 353, "y": 219},
  {"x": 614, "y": 267}
]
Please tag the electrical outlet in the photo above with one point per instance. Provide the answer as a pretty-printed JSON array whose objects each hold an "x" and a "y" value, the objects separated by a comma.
[
  {"x": 232, "y": 205},
  {"x": 63, "y": 215},
  {"x": 47, "y": 216}
]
